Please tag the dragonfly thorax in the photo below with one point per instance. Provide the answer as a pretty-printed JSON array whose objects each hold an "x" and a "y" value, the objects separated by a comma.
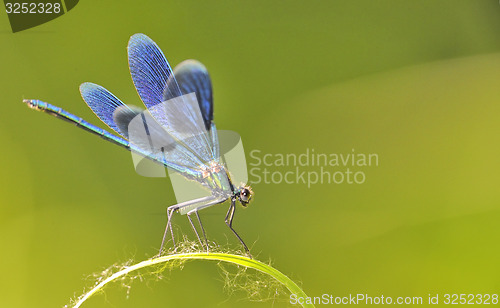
[
  {"x": 213, "y": 167},
  {"x": 216, "y": 178}
]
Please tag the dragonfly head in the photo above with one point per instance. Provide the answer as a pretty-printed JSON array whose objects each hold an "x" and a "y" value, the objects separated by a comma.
[{"x": 245, "y": 195}]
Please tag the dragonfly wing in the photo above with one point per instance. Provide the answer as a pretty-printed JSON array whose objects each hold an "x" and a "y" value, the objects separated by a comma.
[
  {"x": 192, "y": 76},
  {"x": 103, "y": 103},
  {"x": 118, "y": 116},
  {"x": 151, "y": 73},
  {"x": 185, "y": 124},
  {"x": 148, "y": 138},
  {"x": 149, "y": 69},
  {"x": 123, "y": 115},
  {"x": 180, "y": 115}
]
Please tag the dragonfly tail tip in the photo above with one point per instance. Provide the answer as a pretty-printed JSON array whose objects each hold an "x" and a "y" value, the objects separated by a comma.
[
  {"x": 28, "y": 102},
  {"x": 31, "y": 103}
]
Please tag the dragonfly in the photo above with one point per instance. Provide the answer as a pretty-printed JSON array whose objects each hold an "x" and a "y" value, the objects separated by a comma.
[{"x": 176, "y": 130}]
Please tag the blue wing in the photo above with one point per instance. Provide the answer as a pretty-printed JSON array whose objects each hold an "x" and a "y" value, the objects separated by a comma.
[
  {"x": 149, "y": 69},
  {"x": 152, "y": 140},
  {"x": 192, "y": 76},
  {"x": 114, "y": 113},
  {"x": 182, "y": 118},
  {"x": 103, "y": 103}
]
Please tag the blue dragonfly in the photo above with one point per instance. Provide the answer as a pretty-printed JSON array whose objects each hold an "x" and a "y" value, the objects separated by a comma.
[{"x": 176, "y": 130}]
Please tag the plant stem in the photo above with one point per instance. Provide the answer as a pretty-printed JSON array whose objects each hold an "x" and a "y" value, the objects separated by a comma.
[{"x": 224, "y": 257}]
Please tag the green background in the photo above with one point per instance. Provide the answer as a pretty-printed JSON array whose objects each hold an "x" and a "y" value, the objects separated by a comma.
[{"x": 416, "y": 82}]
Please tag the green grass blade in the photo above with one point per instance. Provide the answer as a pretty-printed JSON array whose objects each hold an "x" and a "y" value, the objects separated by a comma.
[{"x": 224, "y": 257}]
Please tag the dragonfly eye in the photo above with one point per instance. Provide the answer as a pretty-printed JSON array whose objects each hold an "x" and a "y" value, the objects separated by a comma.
[{"x": 245, "y": 196}]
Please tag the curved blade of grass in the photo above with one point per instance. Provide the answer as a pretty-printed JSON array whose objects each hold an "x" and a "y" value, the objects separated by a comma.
[{"x": 224, "y": 257}]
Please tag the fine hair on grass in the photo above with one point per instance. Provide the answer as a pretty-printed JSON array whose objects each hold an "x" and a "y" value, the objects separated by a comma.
[{"x": 260, "y": 281}]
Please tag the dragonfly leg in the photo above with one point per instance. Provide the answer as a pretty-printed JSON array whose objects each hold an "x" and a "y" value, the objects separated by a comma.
[
  {"x": 197, "y": 204},
  {"x": 170, "y": 212},
  {"x": 194, "y": 228},
  {"x": 229, "y": 223},
  {"x": 202, "y": 229},
  {"x": 196, "y": 210}
]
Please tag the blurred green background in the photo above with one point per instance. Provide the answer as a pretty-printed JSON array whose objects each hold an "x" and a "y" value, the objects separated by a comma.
[{"x": 414, "y": 81}]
